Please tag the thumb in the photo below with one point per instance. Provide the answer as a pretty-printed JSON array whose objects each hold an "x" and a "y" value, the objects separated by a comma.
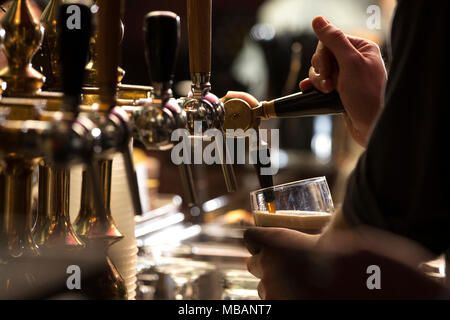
[{"x": 333, "y": 38}]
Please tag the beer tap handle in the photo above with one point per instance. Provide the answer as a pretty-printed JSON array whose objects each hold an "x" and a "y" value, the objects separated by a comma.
[
  {"x": 162, "y": 38},
  {"x": 200, "y": 35},
  {"x": 74, "y": 47},
  {"x": 108, "y": 46},
  {"x": 162, "y": 34},
  {"x": 304, "y": 104}
]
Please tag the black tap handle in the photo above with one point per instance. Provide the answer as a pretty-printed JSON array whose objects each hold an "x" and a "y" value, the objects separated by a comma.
[
  {"x": 306, "y": 104},
  {"x": 162, "y": 42},
  {"x": 75, "y": 29}
]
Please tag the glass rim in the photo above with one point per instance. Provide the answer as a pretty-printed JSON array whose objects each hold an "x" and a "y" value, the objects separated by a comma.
[{"x": 289, "y": 184}]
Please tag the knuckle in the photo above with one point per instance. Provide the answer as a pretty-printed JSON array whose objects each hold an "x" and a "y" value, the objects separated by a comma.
[
  {"x": 373, "y": 45},
  {"x": 313, "y": 76},
  {"x": 338, "y": 35},
  {"x": 354, "y": 59}
]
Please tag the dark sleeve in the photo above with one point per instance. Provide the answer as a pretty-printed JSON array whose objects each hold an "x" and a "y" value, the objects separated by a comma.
[{"x": 401, "y": 183}]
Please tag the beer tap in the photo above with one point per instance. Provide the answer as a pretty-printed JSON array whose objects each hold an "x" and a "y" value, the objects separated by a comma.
[
  {"x": 156, "y": 122},
  {"x": 22, "y": 36},
  {"x": 61, "y": 138},
  {"x": 19, "y": 136},
  {"x": 94, "y": 224},
  {"x": 67, "y": 134},
  {"x": 239, "y": 114},
  {"x": 112, "y": 121},
  {"x": 202, "y": 105}
]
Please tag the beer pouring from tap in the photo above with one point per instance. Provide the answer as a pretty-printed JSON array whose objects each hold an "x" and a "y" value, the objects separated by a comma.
[{"x": 240, "y": 115}]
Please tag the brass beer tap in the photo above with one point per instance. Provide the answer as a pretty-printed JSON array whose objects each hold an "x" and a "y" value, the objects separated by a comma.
[
  {"x": 27, "y": 135},
  {"x": 239, "y": 114},
  {"x": 113, "y": 126},
  {"x": 22, "y": 36}
]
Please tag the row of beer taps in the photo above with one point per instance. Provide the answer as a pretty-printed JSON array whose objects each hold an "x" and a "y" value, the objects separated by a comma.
[
  {"x": 78, "y": 113},
  {"x": 71, "y": 109}
]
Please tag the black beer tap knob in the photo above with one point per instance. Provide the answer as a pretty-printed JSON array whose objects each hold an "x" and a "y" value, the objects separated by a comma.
[
  {"x": 162, "y": 41},
  {"x": 75, "y": 30}
]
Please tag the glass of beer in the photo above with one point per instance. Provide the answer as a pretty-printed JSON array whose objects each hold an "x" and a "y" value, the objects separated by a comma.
[{"x": 304, "y": 206}]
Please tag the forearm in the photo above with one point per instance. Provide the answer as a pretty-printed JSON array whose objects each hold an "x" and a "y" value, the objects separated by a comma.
[{"x": 373, "y": 240}]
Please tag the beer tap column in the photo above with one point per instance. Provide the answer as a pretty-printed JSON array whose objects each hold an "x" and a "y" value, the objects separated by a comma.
[
  {"x": 203, "y": 105},
  {"x": 18, "y": 164}
]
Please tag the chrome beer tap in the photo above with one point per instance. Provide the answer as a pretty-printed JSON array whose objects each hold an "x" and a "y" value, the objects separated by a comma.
[
  {"x": 155, "y": 122},
  {"x": 202, "y": 105}
]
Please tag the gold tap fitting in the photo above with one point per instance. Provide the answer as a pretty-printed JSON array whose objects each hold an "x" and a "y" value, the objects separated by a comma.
[{"x": 23, "y": 36}]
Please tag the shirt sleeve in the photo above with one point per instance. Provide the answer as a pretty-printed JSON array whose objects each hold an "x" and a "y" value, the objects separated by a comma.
[{"x": 401, "y": 182}]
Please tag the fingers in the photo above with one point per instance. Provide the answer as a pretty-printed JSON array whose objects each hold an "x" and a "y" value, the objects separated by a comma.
[
  {"x": 255, "y": 266},
  {"x": 333, "y": 38},
  {"x": 322, "y": 61},
  {"x": 306, "y": 85},
  {"x": 251, "y": 100},
  {"x": 279, "y": 238},
  {"x": 326, "y": 85},
  {"x": 252, "y": 240}
]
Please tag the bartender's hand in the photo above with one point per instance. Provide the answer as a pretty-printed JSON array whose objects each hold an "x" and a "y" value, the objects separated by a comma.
[
  {"x": 292, "y": 265},
  {"x": 354, "y": 67}
]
